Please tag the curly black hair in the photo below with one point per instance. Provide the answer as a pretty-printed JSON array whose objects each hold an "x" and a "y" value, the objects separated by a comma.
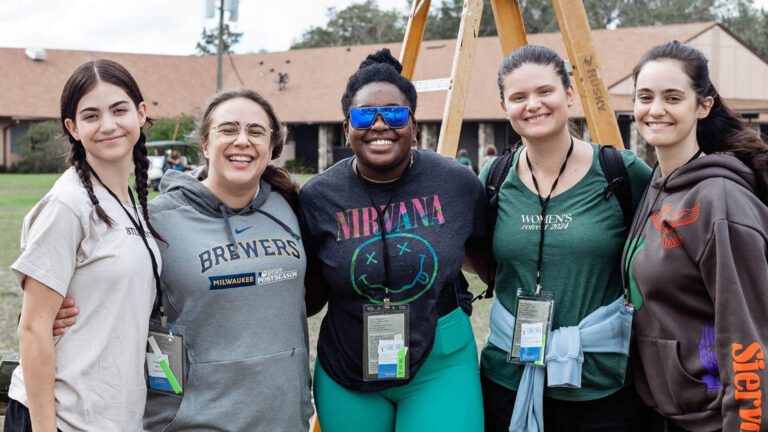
[{"x": 378, "y": 67}]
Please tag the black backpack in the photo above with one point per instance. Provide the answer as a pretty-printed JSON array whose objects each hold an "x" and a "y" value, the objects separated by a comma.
[{"x": 613, "y": 168}]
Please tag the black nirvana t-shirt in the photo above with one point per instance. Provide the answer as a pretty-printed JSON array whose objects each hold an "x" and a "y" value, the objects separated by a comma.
[{"x": 428, "y": 216}]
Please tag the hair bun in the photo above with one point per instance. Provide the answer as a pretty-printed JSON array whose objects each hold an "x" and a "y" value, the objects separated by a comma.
[{"x": 382, "y": 56}]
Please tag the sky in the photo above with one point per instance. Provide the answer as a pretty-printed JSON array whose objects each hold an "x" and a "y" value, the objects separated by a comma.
[
  {"x": 162, "y": 26},
  {"x": 158, "y": 26}
]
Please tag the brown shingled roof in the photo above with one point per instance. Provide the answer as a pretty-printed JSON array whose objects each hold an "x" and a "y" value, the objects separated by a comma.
[
  {"x": 32, "y": 88},
  {"x": 317, "y": 77}
]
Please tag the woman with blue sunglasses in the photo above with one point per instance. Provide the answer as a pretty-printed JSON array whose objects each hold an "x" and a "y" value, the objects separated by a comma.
[{"x": 396, "y": 349}]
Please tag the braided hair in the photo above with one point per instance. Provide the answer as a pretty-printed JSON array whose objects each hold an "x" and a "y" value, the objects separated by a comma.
[
  {"x": 722, "y": 130},
  {"x": 82, "y": 81}
]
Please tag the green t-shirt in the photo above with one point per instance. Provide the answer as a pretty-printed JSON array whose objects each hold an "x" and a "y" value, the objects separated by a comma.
[{"x": 583, "y": 240}]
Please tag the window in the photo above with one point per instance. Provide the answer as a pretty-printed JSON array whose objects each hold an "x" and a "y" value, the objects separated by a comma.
[{"x": 17, "y": 132}]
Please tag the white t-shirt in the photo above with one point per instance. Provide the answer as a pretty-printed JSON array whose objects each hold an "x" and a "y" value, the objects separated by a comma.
[{"x": 108, "y": 272}]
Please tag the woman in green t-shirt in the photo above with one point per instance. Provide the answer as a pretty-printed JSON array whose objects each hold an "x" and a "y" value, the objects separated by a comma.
[{"x": 556, "y": 234}]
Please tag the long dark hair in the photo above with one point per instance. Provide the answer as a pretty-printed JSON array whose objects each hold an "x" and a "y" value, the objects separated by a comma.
[
  {"x": 277, "y": 177},
  {"x": 535, "y": 54},
  {"x": 722, "y": 130},
  {"x": 82, "y": 81}
]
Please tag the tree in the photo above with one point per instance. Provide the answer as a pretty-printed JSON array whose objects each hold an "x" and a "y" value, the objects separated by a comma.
[
  {"x": 209, "y": 43},
  {"x": 538, "y": 16},
  {"x": 740, "y": 16},
  {"x": 443, "y": 22},
  {"x": 357, "y": 24},
  {"x": 633, "y": 13},
  {"x": 365, "y": 23},
  {"x": 42, "y": 149},
  {"x": 163, "y": 128},
  {"x": 750, "y": 24}
]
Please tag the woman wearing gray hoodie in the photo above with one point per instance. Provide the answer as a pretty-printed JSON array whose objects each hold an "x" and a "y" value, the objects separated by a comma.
[{"x": 695, "y": 265}]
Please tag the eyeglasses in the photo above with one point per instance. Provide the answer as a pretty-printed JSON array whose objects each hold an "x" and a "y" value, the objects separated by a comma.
[
  {"x": 395, "y": 117},
  {"x": 227, "y": 132}
]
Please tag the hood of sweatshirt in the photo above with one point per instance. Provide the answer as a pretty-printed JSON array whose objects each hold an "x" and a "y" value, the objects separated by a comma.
[
  {"x": 187, "y": 189},
  {"x": 711, "y": 166}
]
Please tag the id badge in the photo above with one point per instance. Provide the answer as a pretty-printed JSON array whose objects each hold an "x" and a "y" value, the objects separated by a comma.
[
  {"x": 385, "y": 342},
  {"x": 533, "y": 322},
  {"x": 165, "y": 358}
]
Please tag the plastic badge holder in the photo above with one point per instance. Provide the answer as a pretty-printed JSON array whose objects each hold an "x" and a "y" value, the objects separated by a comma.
[
  {"x": 166, "y": 358},
  {"x": 385, "y": 342},
  {"x": 533, "y": 322}
]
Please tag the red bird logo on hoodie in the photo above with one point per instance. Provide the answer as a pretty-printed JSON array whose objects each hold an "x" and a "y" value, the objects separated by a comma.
[{"x": 668, "y": 219}]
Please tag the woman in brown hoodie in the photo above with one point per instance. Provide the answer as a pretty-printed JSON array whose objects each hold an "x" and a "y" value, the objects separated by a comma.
[{"x": 695, "y": 266}]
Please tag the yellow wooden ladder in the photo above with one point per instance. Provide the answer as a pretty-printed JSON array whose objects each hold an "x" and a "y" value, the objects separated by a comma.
[{"x": 574, "y": 27}]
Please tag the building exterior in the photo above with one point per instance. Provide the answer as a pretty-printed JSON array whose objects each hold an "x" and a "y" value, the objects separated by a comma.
[{"x": 306, "y": 85}]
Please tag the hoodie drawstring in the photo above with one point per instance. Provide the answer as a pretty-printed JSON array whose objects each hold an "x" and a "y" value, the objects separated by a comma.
[
  {"x": 225, "y": 214},
  {"x": 277, "y": 221}
]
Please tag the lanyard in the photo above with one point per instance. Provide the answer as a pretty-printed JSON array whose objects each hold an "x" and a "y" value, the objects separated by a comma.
[
  {"x": 636, "y": 228},
  {"x": 382, "y": 227},
  {"x": 544, "y": 202},
  {"x": 142, "y": 233}
]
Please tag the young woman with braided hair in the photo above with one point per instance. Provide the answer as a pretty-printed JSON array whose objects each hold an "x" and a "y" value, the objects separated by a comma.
[
  {"x": 231, "y": 220},
  {"x": 246, "y": 336},
  {"x": 87, "y": 240}
]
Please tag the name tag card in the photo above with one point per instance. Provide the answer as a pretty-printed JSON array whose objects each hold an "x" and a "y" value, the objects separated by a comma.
[
  {"x": 533, "y": 322},
  {"x": 385, "y": 342},
  {"x": 166, "y": 354}
]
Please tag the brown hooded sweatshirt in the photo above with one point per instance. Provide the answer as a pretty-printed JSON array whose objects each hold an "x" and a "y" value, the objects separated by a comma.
[{"x": 698, "y": 278}]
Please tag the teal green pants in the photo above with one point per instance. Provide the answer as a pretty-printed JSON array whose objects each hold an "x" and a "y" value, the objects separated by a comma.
[{"x": 444, "y": 395}]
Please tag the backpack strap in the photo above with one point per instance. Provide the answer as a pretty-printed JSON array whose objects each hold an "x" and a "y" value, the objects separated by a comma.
[
  {"x": 615, "y": 172},
  {"x": 496, "y": 175}
]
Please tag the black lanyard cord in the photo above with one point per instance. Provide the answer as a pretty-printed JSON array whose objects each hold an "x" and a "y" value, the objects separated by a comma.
[
  {"x": 382, "y": 227},
  {"x": 544, "y": 202},
  {"x": 142, "y": 233},
  {"x": 637, "y": 228}
]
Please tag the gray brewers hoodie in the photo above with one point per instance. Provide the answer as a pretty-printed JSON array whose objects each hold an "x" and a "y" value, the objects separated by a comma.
[
  {"x": 235, "y": 281},
  {"x": 699, "y": 284}
]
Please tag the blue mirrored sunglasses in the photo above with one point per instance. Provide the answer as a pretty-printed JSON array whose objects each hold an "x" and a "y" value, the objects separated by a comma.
[{"x": 395, "y": 117}]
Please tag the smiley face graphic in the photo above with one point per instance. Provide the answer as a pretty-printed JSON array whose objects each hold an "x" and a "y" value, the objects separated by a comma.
[{"x": 412, "y": 264}]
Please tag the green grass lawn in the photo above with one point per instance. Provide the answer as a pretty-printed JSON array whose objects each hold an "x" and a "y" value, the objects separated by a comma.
[{"x": 20, "y": 192}]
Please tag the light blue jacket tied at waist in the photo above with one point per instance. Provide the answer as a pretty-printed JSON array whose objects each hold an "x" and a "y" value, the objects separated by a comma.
[{"x": 606, "y": 330}]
